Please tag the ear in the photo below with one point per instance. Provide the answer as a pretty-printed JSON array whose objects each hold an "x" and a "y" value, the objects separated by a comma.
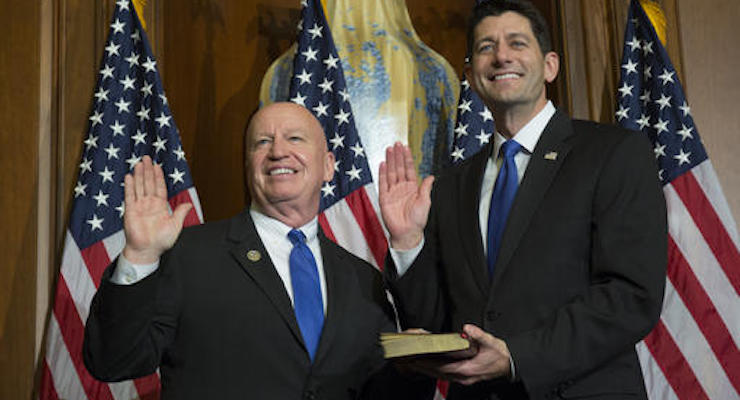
[
  {"x": 329, "y": 166},
  {"x": 467, "y": 69},
  {"x": 552, "y": 66}
]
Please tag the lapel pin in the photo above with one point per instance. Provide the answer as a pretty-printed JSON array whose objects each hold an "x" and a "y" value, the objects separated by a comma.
[
  {"x": 552, "y": 156},
  {"x": 254, "y": 255}
]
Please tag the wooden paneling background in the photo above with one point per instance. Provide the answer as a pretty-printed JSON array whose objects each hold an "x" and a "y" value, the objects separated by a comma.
[
  {"x": 20, "y": 123},
  {"x": 711, "y": 66},
  {"x": 212, "y": 55}
]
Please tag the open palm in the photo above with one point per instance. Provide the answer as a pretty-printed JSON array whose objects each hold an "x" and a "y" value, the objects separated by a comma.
[
  {"x": 149, "y": 227},
  {"x": 404, "y": 204}
]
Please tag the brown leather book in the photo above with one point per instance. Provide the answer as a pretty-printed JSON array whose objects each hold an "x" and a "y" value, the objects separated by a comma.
[{"x": 451, "y": 345}]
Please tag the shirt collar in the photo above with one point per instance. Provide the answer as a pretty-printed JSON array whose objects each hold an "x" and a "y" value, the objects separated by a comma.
[
  {"x": 311, "y": 229},
  {"x": 530, "y": 133}
]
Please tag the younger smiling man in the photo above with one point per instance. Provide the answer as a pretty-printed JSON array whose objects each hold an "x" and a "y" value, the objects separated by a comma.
[
  {"x": 548, "y": 248},
  {"x": 228, "y": 314}
]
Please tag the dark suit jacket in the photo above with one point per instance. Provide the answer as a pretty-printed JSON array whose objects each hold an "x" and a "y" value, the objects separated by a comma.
[
  {"x": 580, "y": 274},
  {"x": 220, "y": 325}
]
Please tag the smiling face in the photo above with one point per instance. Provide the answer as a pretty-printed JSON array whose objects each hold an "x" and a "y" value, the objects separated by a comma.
[
  {"x": 507, "y": 68},
  {"x": 287, "y": 160}
]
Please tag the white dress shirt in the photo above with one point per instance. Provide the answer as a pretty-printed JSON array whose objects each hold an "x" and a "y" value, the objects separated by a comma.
[
  {"x": 527, "y": 137},
  {"x": 274, "y": 235}
]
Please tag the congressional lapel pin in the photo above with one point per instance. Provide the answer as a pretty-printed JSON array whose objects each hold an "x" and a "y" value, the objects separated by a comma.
[
  {"x": 254, "y": 255},
  {"x": 552, "y": 156}
]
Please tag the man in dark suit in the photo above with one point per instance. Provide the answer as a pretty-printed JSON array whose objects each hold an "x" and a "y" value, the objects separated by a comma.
[
  {"x": 548, "y": 248},
  {"x": 219, "y": 315}
]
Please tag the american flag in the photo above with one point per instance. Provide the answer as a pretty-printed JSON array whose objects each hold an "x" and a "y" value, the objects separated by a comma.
[
  {"x": 693, "y": 351},
  {"x": 130, "y": 118},
  {"x": 475, "y": 126},
  {"x": 348, "y": 203}
]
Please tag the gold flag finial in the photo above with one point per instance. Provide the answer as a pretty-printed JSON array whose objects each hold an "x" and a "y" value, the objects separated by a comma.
[
  {"x": 326, "y": 15},
  {"x": 139, "y": 6},
  {"x": 657, "y": 18}
]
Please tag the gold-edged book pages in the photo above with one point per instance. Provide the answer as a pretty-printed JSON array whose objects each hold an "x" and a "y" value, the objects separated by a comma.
[{"x": 450, "y": 345}]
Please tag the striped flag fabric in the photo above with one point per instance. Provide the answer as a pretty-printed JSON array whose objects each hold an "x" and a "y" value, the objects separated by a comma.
[
  {"x": 693, "y": 351},
  {"x": 130, "y": 118},
  {"x": 349, "y": 204}
]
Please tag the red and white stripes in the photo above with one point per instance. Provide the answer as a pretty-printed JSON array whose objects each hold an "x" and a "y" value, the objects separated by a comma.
[
  {"x": 353, "y": 223},
  {"x": 64, "y": 375},
  {"x": 693, "y": 352}
]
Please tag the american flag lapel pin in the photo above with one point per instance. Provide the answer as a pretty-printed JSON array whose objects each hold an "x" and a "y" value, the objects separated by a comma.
[{"x": 552, "y": 156}]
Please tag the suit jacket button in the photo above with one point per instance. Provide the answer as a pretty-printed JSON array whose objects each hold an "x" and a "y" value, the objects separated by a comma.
[{"x": 309, "y": 395}]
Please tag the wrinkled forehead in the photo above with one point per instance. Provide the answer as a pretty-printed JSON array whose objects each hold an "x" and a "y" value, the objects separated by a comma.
[{"x": 284, "y": 117}]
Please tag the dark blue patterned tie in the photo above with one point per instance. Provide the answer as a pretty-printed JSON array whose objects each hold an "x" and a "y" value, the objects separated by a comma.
[
  {"x": 307, "y": 302},
  {"x": 504, "y": 191}
]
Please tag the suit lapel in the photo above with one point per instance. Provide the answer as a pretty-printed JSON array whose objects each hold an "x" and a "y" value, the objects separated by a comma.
[
  {"x": 548, "y": 156},
  {"x": 337, "y": 278},
  {"x": 469, "y": 190},
  {"x": 253, "y": 258}
]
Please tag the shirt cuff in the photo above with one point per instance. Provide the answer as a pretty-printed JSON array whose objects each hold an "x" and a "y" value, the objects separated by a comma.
[
  {"x": 127, "y": 273},
  {"x": 404, "y": 258},
  {"x": 513, "y": 369}
]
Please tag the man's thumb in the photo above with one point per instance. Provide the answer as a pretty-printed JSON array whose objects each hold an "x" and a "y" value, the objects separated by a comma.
[{"x": 181, "y": 212}]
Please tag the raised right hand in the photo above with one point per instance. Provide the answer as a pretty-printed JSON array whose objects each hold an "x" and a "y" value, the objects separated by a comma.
[
  {"x": 404, "y": 204},
  {"x": 149, "y": 227}
]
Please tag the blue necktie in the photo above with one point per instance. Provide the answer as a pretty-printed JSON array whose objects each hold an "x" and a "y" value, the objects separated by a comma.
[
  {"x": 307, "y": 302},
  {"x": 504, "y": 191}
]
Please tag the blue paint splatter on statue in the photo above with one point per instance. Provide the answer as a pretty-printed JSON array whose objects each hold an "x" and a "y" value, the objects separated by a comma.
[
  {"x": 438, "y": 136},
  {"x": 369, "y": 86},
  {"x": 280, "y": 84}
]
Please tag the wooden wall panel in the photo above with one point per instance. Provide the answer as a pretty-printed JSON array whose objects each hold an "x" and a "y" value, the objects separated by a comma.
[
  {"x": 711, "y": 64},
  {"x": 594, "y": 32},
  {"x": 594, "y": 46},
  {"x": 19, "y": 127}
]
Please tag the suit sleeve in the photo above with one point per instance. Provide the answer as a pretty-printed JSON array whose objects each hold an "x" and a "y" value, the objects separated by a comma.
[
  {"x": 419, "y": 294},
  {"x": 130, "y": 326},
  {"x": 387, "y": 382},
  {"x": 627, "y": 277}
]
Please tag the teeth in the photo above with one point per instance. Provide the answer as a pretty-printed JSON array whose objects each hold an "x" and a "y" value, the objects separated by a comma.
[
  {"x": 506, "y": 76},
  {"x": 281, "y": 171}
]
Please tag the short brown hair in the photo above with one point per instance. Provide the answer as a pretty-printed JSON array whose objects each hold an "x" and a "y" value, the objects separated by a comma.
[{"x": 494, "y": 8}]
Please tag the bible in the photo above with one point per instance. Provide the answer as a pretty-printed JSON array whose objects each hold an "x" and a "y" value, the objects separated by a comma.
[{"x": 448, "y": 345}]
